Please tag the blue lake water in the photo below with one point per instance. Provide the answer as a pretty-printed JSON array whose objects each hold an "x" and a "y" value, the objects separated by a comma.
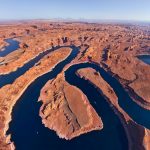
[
  {"x": 28, "y": 133},
  {"x": 145, "y": 58},
  {"x": 10, "y": 78},
  {"x": 136, "y": 112},
  {"x": 13, "y": 45}
]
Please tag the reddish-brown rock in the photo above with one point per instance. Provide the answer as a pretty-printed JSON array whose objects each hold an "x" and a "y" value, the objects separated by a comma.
[{"x": 67, "y": 110}]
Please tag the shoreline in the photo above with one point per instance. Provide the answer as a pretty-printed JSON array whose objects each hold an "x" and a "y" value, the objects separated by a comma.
[
  {"x": 8, "y": 120},
  {"x": 122, "y": 115},
  {"x": 144, "y": 104},
  {"x": 24, "y": 63},
  {"x": 113, "y": 107},
  {"x": 113, "y": 47}
]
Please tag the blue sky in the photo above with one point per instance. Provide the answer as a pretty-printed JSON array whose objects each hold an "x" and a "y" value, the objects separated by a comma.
[{"x": 88, "y": 9}]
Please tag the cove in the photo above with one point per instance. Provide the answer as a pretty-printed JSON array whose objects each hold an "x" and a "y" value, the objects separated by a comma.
[
  {"x": 13, "y": 45},
  {"x": 27, "y": 130},
  {"x": 145, "y": 58}
]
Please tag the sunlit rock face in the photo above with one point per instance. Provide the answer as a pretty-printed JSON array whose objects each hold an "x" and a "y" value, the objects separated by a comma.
[{"x": 114, "y": 47}]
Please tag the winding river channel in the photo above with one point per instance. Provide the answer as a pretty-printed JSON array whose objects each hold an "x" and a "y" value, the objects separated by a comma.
[
  {"x": 29, "y": 133},
  {"x": 136, "y": 112}
]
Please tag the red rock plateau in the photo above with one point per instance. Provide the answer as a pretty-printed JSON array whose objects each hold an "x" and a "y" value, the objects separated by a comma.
[{"x": 113, "y": 46}]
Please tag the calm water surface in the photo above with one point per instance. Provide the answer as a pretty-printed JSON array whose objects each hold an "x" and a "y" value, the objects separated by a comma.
[
  {"x": 13, "y": 45},
  {"x": 27, "y": 130},
  {"x": 145, "y": 58}
]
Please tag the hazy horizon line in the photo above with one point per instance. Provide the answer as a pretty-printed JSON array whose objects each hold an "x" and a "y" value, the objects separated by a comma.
[{"x": 79, "y": 19}]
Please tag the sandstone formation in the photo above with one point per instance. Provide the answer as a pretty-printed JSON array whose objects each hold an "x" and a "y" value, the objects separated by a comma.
[
  {"x": 67, "y": 110},
  {"x": 113, "y": 46},
  {"x": 15, "y": 90},
  {"x": 138, "y": 136},
  {"x": 11, "y": 57},
  {"x": 2, "y": 44}
]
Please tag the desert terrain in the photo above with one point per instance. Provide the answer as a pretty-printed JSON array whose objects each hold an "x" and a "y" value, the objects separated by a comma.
[{"x": 105, "y": 56}]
